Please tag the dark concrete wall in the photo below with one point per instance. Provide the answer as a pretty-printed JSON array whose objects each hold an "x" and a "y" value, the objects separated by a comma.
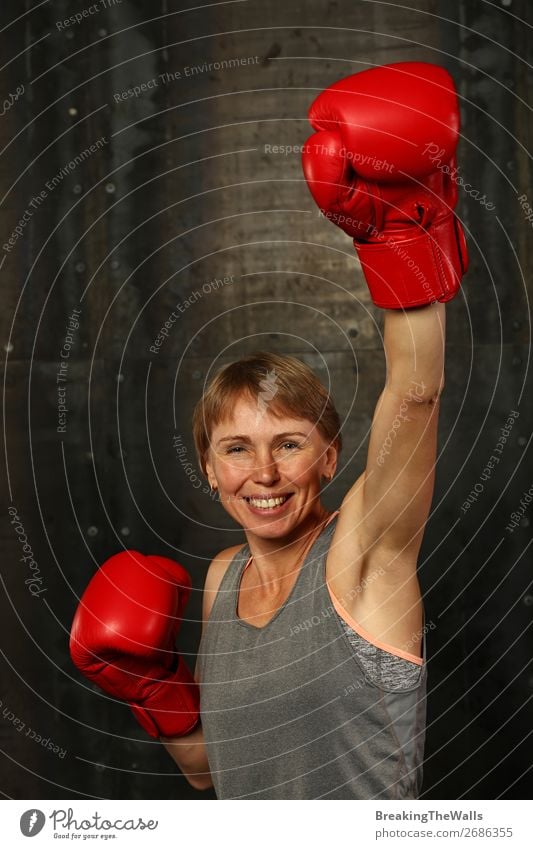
[{"x": 183, "y": 190}]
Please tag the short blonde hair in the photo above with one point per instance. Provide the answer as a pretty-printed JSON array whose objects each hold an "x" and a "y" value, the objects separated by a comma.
[{"x": 297, "y": 392}]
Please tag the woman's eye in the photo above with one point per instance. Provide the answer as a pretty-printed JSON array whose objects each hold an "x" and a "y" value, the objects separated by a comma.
[{"x": 238, "y": 449}]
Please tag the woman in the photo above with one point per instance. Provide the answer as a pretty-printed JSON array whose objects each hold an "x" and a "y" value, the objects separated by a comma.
[
  {"x": 311, "y": 665},
  {"x": 312, "y": 661}
]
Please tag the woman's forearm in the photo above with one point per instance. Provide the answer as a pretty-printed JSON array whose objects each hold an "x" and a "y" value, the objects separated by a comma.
[
  {"x": 189, "y": 752},
  {"x": 414, "y": 342}
]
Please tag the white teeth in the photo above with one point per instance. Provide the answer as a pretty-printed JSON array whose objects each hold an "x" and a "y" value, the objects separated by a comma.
[{"x": 268, "y": 502}]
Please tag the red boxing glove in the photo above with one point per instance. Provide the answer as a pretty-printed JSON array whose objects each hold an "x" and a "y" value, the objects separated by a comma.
[
  {"x": 122, "y": 638},
  {"x": 371, "y": 169}
]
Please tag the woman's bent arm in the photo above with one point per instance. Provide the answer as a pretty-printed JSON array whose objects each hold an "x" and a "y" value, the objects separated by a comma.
[
  {"x": 189, "y": 751},
  {"x": 190, "y": 754}
]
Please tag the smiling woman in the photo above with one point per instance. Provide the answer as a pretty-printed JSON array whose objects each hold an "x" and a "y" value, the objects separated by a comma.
[
  {"x": 312, "y": 665},
  {"x": 312, "y": 673}
]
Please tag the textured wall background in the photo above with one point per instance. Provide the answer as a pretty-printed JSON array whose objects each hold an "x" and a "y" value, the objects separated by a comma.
[{"x": 183, "y": 188}]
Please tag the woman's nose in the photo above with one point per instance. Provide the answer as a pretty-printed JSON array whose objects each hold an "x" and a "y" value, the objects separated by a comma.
[{"x": 266, "y": 471}]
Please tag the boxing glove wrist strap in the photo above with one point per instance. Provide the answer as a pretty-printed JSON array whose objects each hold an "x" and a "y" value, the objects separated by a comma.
[{"x": 418, "y": 270}]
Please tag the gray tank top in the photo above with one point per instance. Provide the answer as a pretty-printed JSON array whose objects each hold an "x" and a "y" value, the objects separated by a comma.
[{"x": 308, "y": 706}]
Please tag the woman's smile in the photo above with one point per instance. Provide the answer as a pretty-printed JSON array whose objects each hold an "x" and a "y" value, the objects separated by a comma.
[{"x": 271, "y": 505}]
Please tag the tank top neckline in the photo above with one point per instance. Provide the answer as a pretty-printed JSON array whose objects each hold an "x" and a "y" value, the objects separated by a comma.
[{"x": 317, "y": 534}]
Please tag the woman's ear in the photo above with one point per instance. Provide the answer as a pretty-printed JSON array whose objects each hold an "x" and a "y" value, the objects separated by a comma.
[
  {"x": 329, "y": 463},
  {"x": 210, "y": 474}
]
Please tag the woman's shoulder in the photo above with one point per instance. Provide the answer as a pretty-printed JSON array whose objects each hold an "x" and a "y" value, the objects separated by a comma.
[{"x": 215, "y": 574}]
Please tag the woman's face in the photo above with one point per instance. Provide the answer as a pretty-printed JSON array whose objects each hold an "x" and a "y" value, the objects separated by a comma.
[{"x": 268, "y": 470}]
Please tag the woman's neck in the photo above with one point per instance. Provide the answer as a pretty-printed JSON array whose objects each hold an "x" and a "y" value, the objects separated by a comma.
[{"x": 274, "y": 560}]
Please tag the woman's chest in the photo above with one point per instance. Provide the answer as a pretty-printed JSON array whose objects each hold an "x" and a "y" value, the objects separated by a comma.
[{"x": 258, "y": 604}]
